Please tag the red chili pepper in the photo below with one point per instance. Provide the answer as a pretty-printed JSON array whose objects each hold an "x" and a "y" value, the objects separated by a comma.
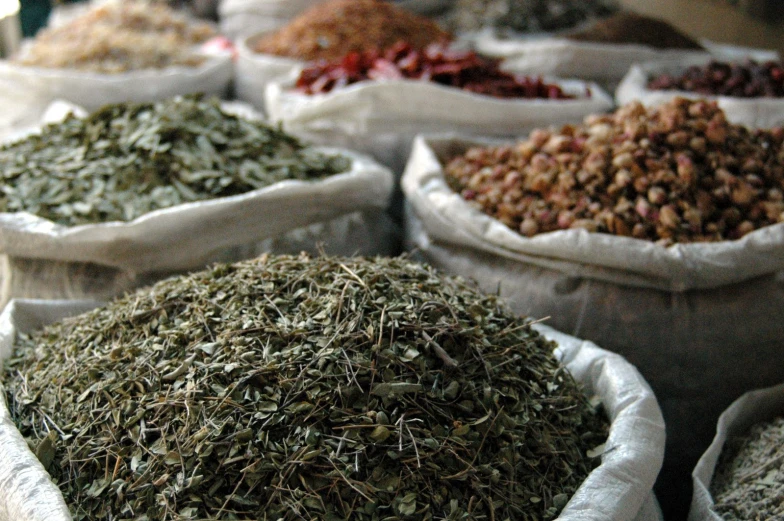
[{"x": 437, "y": 63}]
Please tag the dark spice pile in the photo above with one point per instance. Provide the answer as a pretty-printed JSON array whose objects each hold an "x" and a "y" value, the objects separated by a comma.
[
  {"x": 749, "y": 479},
  {"x": 297, "y": 388},
  {"x": 436, "y": 63},
  {"x": 740, "y": 80},
  {"x": 678, "y": 173},
  {"x": 332, "y": 29},
  {"x": 129, "y": 159},
  {"x": 632, "y": 28},
  {"x": 525, "y": 16}
]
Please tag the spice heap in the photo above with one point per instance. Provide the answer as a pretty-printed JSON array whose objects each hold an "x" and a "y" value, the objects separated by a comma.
[
  {"x": 747, "y": 80},
  {"x": 120, "y": 37},
  {"x": 749, "y": 478},
  {"x": 332, "y": 29},
  {"x": 526, "y": 16},
  {"x": 632, "y": 28},
  {"x": 679, "y": 173},
  {"x": 129, "y": 159},
  {"x": 436, "y": 63},
  {"x": 298, "y": 388}
]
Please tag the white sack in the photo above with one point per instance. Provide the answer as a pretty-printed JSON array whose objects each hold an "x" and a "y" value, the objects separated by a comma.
[
  {"x": 604, "y": 63},
  {"x": 343, "y": 213},
  {"x": 382, "y": 118},
  {"x": 254, "y": 71},
  {"x": 702, "y": 322},
  {"x": 27, "y": 91},
  {"x": 244, "y": 17},
  {"x": 750, "y": 409},
  {"x": 751, "y": 112},
  {"x": 618, "y": 490}
]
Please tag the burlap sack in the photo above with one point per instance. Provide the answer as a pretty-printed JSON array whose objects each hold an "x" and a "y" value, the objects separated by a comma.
[
  {"x": 702, "y": 322},
  {"x": 618, "y": 490}
]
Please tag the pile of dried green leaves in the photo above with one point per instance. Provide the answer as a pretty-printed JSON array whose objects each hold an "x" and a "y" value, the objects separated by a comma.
[
  {"x": 749, "y": 479},
  {"x": 290, "y": 388},
  {"x": 129, "y": 159}
]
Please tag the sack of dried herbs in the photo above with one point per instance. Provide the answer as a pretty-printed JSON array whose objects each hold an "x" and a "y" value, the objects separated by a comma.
[
  {"x": 740, "y": 475},
  {"x": 113, "y": 53},
  {"x": 94, "y": 206},
  {"x": 664, "y": 249},
  {"x": 316, "y": 388},
  {"x": 327, "y": 31},
  {"x": 746, "y": 91}
]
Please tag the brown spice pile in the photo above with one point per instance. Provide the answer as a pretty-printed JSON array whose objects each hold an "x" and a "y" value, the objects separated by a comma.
[
  {"x": 632, "y": 28},
  {"x": 333, "y": 29},
  {"x": 677, "y": 174},
  {"x": 120, "y": 37}
]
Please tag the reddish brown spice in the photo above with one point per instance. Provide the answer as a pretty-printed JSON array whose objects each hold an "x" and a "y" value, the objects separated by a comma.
[
  {"x": 332, "y": 29},
  {"x": 676, "y": 174},
  {"x": 437, "y": 63},
  {"x": 740, "y": 80}
]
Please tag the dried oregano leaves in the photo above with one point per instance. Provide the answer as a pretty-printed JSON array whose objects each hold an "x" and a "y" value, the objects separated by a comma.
[
  {"x": 128, "y": 159},
  {"x": 749, "y": 479},
  {"x": 295, "y": 388}
]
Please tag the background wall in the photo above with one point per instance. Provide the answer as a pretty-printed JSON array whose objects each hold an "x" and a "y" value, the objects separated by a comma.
[{"x": 716, "y": 20}]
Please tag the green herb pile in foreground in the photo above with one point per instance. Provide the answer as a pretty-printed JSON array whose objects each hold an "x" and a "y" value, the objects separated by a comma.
[
  {"x": 295, "y": 388},
  {"x": 129, "y": 159},
  {"x": 749, "y": 479}
]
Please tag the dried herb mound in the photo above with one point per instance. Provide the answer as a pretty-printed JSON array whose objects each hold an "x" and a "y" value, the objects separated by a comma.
[
  {"x": 295, "y": 388},
  {"x": 436, "y": 63},
  {"x": 120, "y": 37},
  {"x": 678, "y": 173},
  {"x": 749, "y": 478},
  {"x": 129, "y": 159},
  {"x": 332, "y": 29}
]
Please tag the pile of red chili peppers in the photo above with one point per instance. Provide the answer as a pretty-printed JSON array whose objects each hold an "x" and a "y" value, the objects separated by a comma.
[{"x": 437, "y": 63}]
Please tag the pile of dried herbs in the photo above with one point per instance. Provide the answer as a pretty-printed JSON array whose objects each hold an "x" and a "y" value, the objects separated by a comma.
[
  {"x": 290, "y": 388},
  {"x": 128, "y": 159},
  {"x": 749, "y": 478}
]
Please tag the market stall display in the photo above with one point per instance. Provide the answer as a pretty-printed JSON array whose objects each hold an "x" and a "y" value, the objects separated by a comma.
[
  {"x": 135, "y": 191},
  {"x": 327, "y": 31},
  {"x": 431, "y": 380},
  {"x": 749, "y": 92},
  {"x": 739, "y": 476},
  {"x": 655, "y": 233},
  {"x": 118, "y": 52}
]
